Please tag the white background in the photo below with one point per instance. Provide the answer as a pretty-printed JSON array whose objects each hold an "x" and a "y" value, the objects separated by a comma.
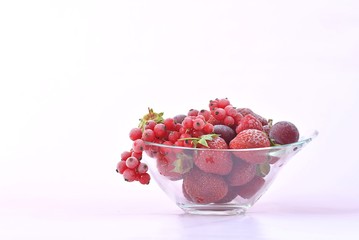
[{"x": 75, "y": 77}]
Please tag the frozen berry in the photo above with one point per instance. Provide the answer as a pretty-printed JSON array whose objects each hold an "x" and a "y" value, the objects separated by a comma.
[
  {"x": 218, "y": 162},
  {"x": 129, "y": 175},
  {"x": 121, "y": 167},
  {"x": 250, "y": 138},
  {"x": 144, "y": 178},
  {"x": 284, "y": 132},
  {"x": 166, "y": 167},
  {"x": 204, "y": 188},
  {"x": 250, "y": 189},
  {"x": 242, "y": 172},
  {"x": 231, "y": 194},
  {"x": 225, "y": 132},
  {"x": 179, "y": 118},
  {"x": 135, "y": 133},
  {"x": 132, "y": 162},
  {"x": 249, "y": 122}
]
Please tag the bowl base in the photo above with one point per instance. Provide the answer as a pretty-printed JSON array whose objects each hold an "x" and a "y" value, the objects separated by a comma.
[{"x": 213, "y": 209}]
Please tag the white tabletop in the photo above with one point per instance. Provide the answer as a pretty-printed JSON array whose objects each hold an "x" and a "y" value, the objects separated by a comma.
[{"x": 107, "y": 219}]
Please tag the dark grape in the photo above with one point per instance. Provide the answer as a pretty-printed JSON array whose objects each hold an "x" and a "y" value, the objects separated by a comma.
[
  {"x": 179, "y": 118},
  {"x": 226, "y": 132},
  {"x": 284, "y": 132}
]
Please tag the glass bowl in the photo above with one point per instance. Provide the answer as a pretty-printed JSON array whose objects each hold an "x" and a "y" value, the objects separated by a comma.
[{"x": 231, "y": 187}]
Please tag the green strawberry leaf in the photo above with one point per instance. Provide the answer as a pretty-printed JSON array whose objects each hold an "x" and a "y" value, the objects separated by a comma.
[
  {"x": 203, "y": 142},
  {"x": 202, "y": 139}
]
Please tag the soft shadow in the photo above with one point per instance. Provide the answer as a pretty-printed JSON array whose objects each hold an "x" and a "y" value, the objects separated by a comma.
[{"x": 304, "y": 208}]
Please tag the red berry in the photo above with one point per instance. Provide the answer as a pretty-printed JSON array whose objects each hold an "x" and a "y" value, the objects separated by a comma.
[
  {"x": 160, "y": 130},
  {"x": 213, "y": 121},
  {"x": 219, "y": 114},
  {"x": 204, "y": 188},
  {"x": 187, "y": 122},
  {"x": 218, "y": 162},
  {"x": 230, "y": 111},
  {"x": 132, "y": 162},
  {"x": 251, "y": 138},
  {"x": 138, "y": 145},
  {"x": 170, "y": 124},
  {"x": 142, "y": 168},
  {"x": 192, "y": 112},
  {"x": 129, "y": 175},
  {"x": 148, "y": 135},
  {"x": 173, "y": 136},
  {"x": 125, "y": 155},
  {"x": 249, "y": 122},
  {"x": 250, "y": 189},
  {"x": 121, "y": 167},
  {"x": 135, "y": 133},
  {"x": 198, "y": 124},
  {"x": 150, "y": 124},
  {"x": 144, "y": 178},
  {"x": 246, "y": 111},
  {"x": 208, "y": 128},
  {"x": 242, "y": 172},
  {"x": 205, "y": 113},
  {"x": 137, "y": 155},
  {"x": 166, "y": 167},
  {"x": 229, "y": 121},
  {"x": 231, "y": 194},
  {"x": 222, "y": 103}
]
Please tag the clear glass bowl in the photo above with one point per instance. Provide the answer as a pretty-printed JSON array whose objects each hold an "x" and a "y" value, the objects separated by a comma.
[{"x": 215, "y": 191}]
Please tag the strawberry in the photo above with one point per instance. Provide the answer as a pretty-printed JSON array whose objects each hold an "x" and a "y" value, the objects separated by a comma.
[
  {"x": 249, "y": 122},
  {"x": 204, "y": 188},
  {"x": 246, "y": 111},
  {"x": 242, "y": 172},
  {"x": 166, "y": 167},
  {"x": 251, "y": 138},
  {"x": 250, "y": 189},
  {"x": 217, "y": 162},
  {"x": 231, "y": 194}
]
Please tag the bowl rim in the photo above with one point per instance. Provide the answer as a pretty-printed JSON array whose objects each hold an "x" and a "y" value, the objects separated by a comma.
[{"x": 304, "y": 139}]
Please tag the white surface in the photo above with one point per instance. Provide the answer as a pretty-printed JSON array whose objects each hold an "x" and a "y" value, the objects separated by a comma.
[{"x": 75, "y": 76}]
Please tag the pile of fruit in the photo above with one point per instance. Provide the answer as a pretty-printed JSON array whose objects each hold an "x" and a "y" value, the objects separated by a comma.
[{"x": 209, "y": 176}]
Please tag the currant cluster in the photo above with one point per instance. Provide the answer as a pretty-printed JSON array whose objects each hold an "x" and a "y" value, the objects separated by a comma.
[
  {"x": 130, "y": 165},
  {"x": 222, "y": 112}
]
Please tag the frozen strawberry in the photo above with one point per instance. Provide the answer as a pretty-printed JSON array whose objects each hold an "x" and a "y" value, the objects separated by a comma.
[
  {"x": 249, "y": 122},
  {"x": 231, "y": 194},
  {"x": 204, "y": 188},
  {"x": 185, "y": 194},
  {"x": 246, "y": 111},
  {"x": 213, "y": 121},
  {"x": 218, "y": 162},
  {"x": 242, "y": 172},
  {"x": 166, "y": 167},
  {"x": 251, "y": 138},
  {"x": 250, "y": 189}
]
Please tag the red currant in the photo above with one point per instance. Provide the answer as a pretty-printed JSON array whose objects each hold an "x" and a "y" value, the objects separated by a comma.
[
  {"x": 132, "y": 162},
  {"x": 144, "y": 178},
  {"x": 135, "y": 133},
  {"x": 160, "y": 130}
]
